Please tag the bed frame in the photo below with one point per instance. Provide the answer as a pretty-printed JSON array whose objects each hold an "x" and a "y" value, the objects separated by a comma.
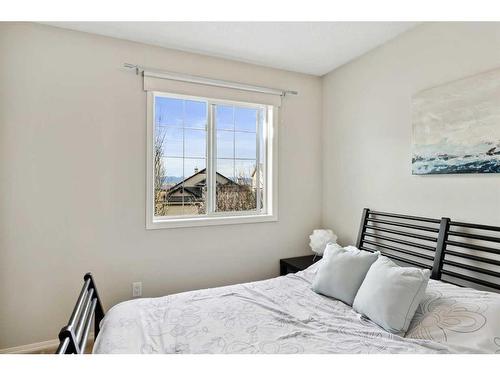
[
  {"x": 73, "y": 336},
  {"x": 455, "y": 252},
  {"x": 459, "y": 252}
]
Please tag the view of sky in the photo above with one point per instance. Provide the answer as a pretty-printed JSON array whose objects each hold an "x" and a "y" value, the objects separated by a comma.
[{"x": 184, "y": 124}]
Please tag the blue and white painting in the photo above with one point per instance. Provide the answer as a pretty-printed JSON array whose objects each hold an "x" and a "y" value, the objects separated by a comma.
[{"x": 456, "y": 127}]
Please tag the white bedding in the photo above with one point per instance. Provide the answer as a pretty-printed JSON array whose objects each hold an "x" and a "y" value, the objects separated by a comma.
[
  {"x": 464, "y": 319},
  {"x": 283, "y": 315}
]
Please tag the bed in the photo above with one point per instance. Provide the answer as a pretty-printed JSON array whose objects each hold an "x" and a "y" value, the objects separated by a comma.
[{"x": 283, "y": 314}]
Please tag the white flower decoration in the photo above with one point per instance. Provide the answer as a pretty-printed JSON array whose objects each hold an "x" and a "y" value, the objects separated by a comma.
[{"x": 320, "y": 238}]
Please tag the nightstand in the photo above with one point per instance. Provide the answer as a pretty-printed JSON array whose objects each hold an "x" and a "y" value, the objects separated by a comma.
[{"x": 292, "y": 265}]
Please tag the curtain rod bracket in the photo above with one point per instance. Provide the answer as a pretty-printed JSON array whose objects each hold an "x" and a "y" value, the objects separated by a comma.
[{"x": 132, "y": 66}]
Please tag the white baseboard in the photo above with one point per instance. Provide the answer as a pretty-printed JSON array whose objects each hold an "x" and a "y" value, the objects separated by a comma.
[
  {"x": 37, "y": 347},
  {"x": 46, "y": 347}
]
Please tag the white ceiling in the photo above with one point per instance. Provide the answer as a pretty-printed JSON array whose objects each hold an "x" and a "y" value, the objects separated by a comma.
[{"x": 305, "y": 47}]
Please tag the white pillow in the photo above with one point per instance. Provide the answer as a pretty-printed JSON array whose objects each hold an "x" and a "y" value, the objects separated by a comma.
[
  {"x": 342, "y": 271},
  {"x": 390, "y": 294}
]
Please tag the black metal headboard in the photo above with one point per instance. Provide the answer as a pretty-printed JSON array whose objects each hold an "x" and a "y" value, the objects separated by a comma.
[
  {"x": 471, "y": 243},
  {"x": 448, "y": 248},
  {"x": 408, "y": 239}
]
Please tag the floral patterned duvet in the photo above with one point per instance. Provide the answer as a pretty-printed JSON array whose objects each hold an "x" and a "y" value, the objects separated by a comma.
[
  {"x": 465, "y": 319},
  {"x": 283, "y": 315}
]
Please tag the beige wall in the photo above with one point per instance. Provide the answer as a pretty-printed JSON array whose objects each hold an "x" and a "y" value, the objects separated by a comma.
[
  {"x": 72, "y": 180},
  {"x": 367, "y": 129}
]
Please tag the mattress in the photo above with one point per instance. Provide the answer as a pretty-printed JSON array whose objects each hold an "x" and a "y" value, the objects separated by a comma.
[{"x": 283, "y": 315}]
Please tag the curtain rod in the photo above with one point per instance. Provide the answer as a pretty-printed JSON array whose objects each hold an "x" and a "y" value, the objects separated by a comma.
[{"x": 163, "y": 74}]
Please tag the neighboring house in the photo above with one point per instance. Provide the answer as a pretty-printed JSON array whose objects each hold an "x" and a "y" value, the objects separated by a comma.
[{"x": 186, "y": 196}]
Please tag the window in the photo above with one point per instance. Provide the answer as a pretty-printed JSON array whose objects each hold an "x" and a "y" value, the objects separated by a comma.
[{"x": 210, "y": 162}]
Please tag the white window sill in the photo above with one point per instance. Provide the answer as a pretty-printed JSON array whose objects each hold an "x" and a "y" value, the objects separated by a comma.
[{"x": 208, "y": 221}]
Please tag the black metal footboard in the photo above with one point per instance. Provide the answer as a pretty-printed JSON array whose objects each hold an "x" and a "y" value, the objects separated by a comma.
[{"x": 73, "y": 337}]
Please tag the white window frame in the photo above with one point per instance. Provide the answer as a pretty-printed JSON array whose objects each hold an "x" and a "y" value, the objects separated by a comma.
[{"x": 270, "y": 175}]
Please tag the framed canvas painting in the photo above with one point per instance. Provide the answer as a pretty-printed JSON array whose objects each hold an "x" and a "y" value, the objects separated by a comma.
[{"x": 456, "y": 126}]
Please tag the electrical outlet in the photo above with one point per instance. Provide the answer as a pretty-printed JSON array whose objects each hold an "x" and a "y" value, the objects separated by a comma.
[{"x": 137, "y": 289}]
